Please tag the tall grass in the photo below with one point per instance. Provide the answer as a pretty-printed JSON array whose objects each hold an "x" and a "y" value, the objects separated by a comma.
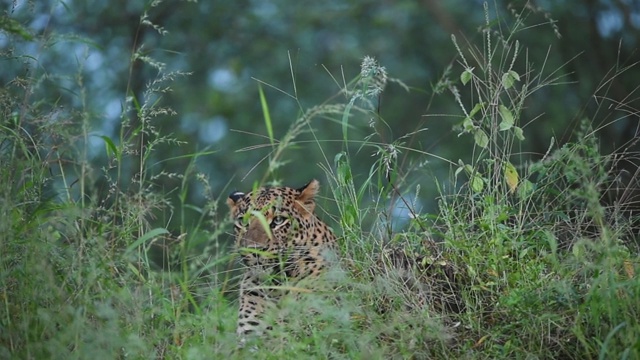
[
  {"x": 524, "y": 258},
  {"x": 87, "y": 269}
]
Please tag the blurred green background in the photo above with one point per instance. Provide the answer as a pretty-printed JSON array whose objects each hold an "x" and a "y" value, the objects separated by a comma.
[{"x": 302, "y": 52}]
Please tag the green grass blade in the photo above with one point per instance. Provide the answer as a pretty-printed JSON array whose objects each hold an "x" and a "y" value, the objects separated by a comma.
[
  {"x": 266, "y": 114},
  {"x": 146, "y": 237}
]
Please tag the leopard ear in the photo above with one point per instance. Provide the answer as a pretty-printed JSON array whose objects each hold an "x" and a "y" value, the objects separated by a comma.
[
  {"x": 233, "y": 198},
  {"x": 306, "y": 197}
]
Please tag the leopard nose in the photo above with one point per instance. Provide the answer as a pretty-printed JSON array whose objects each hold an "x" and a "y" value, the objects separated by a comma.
[{"x": 255, "y": 237}]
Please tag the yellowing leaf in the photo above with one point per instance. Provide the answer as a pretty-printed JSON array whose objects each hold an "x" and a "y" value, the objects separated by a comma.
[
  {"x": 480, "y": 341},
  {"x": 511, "y": 176}
]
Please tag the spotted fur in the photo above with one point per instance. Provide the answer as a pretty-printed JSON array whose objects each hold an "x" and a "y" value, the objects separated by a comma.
[{"x": 280, "y": 240}]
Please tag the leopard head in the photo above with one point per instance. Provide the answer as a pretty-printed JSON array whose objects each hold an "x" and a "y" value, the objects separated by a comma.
[{"x": 270, "y": 221}]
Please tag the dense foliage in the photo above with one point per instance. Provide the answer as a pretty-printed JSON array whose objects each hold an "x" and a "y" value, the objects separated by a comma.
[{"x": 479, "y": 163}]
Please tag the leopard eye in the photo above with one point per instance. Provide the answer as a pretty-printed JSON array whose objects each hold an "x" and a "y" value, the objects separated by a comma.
[{"x": 277, "y": 221}]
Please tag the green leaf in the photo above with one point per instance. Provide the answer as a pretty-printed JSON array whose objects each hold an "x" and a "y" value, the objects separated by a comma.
[
  {"x": 518, "y": 132},
  {"x": 461, "y": 166},
  {"x": 110, "y": 146},
  {"x": 144, "y": 238},
  {"x": 466, "y": 75},
  {"x": 266, "y": 114},
  {"x": 507, "y": 118},
  {"x": 345, "y": 118},
  {"x": 467, "y": 124},
  {"x": 525, "y": 189},
  {"x": 343, "y": 169},
  {"x": 476, "y": 108},
  {"x": 476, "y": 182},
  {"x": 481, "y": 138},
  {"x": 509, "y": 78}
]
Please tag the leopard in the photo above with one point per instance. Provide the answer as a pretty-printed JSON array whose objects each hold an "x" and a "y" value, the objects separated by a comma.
[{"x": 280, "y": 240}]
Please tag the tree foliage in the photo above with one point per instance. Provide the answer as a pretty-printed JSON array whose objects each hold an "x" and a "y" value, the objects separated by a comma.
[{"x": 303, "y": 53}]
